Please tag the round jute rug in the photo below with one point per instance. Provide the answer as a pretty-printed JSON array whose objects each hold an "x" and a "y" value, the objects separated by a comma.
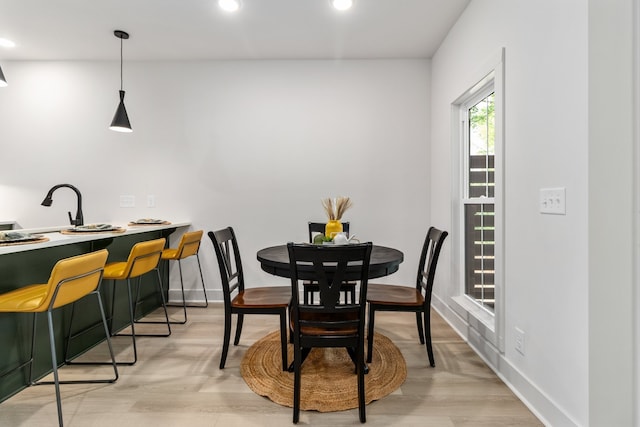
[{"x": 329, "y": 382}]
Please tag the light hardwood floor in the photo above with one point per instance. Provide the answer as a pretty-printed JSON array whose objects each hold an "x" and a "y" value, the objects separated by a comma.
[{"x": 176, "y": 382}]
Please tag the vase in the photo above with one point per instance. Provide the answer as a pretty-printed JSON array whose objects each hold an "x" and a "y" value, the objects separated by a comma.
[{"x": 333, "y": 226}]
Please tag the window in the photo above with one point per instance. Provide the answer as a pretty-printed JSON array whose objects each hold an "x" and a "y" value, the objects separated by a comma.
[
  {"x": 478, "y": 118},
  {"x": 478, "y": 205}
]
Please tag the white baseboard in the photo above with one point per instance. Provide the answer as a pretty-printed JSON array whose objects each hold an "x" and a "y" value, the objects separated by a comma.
[
  {"x": 195, "y": 296},
  {"x": 538, "y": 402}
]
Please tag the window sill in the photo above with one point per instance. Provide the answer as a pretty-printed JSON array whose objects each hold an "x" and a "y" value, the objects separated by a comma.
[{"x": 476, "y": 317}]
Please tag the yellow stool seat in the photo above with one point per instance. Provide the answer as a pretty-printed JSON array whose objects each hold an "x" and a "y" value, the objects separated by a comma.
[
  {"x": 115, "y": 271},
  {"x": 28, "y": 299},
  {"x": 171, "y": 254},
  {"x": 189, "y": 245}
]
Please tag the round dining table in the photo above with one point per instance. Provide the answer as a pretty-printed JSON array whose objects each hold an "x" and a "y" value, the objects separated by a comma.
[{"x": 384, "y": 261}]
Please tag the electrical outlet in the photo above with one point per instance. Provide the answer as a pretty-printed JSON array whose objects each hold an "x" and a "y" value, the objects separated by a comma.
[
  {"x": 552, "y": 201},
  {"x": 151, "y": 201},
  {"x": 520, "y": 341},
  {"x": 127, "y": 201}
]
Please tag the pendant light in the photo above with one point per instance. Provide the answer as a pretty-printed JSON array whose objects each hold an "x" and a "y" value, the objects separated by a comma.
[
  {"x": 3, "y": 80},
  {"x": 342, "y": 4},
  {"x": 229, "y": 5},
  {"x": 8, "y": 44},
  {"x": 120, "y": 121}
]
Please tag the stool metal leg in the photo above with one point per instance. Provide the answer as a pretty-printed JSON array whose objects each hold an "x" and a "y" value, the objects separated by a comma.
[
  {"x": 54, "y": 363},
  {"x": 107, "y": 334},
  {"x": 164, "y": 307},
  {"x": 184, "y": 300},
  {"x": 204, "y": 289},
  {"x": 133, "y": 328}
]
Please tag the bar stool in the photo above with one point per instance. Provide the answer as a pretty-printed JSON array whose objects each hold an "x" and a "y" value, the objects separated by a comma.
[
  {"x": 189, "y": 245},
  {"x": 71, "y": 279},
  {"x": 143, "y": 258}
]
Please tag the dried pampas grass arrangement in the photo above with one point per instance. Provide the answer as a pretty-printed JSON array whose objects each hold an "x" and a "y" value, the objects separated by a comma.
[{"x": 336, "y": 207}]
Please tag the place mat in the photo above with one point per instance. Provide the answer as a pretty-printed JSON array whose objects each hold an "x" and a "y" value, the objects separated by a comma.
[
  {"x": 71, "y": 232},
  {"x": 329, "y": 382},
  {"x": 143, "y": 224},
  {"x": 26, "y": 242}
]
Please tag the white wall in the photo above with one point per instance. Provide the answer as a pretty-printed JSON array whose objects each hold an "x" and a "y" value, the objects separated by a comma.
[
  {"x": 612, "y": 188},
  {"x": 546, "y": 142},
  {"x": 252, "y": 144}
]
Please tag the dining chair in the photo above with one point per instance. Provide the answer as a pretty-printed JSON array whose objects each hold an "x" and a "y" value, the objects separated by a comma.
[
  {"x": 71, "y": 279},
  {"x": 143, "y": 258},
  {"x": 330, "y": 322},
  {"x": 310, "y": 288},
  {"x": 241, "y": 300},
  {"x": 383, "y": 297},
  {"x": 189, "y": 246},
  {"x": 318, "y": 228}
]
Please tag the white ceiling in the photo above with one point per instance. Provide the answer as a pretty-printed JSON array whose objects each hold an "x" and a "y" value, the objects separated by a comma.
[{"x": 198, "y": 29}]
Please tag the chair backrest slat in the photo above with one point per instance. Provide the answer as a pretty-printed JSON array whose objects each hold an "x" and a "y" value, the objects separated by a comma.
[
  {"x": 429, "y": 260},
  {"x": 319, "y": 227},
  {"x": 229, "y": 262}
]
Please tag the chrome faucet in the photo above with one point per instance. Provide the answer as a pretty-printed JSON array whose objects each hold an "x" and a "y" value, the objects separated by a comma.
[{"x": 79, "y": 217}]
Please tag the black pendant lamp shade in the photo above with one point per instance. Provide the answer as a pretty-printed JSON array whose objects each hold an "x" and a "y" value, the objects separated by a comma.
[
  {"x": 3, "y": 81},
  {"x": 120, "y": 121}
]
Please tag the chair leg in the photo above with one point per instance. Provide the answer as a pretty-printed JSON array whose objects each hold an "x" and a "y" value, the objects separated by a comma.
[
  {"x": 283, "y": 339},
  {"x": 361, "y": 391},
  {"x": 427, "y": 328},
  {"x": 372, "y": 314},
  {"x": 227, "y": 337},
  {"x": 297, "y": 361},
  {"x": 236, "y": 340},
  {"x": 419, "y": 323}
]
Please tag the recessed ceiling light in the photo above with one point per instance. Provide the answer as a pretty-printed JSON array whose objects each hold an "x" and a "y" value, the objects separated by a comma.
[
  {"x": 342, "y": 4},
  {"x": 7, "y": 43},
  {"x": 229, "y": 5}
]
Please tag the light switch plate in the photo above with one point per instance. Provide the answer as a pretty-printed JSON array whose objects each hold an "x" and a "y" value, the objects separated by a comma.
[
  {"x": 553, "y": 201},
  {"x": 127, "y": 201}
]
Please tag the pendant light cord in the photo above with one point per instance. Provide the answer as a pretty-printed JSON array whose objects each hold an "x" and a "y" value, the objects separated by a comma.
[{"x": 121, "y": 78}]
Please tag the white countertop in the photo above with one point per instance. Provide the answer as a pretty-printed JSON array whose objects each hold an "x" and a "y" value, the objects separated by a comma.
[{"x": 58, "y": 239}]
